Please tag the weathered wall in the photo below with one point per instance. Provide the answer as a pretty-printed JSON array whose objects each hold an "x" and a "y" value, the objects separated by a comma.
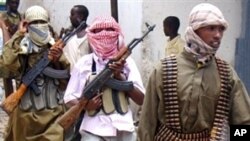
[
  {"x": 159, "y": 9},
  {"x": 134, "y": 13},
  {"x": 156, "y": 11}
]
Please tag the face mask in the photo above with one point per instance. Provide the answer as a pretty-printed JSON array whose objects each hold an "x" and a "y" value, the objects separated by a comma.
[
  {"x": 39, "y": 34},
  {"x": 104, "y": 43}
]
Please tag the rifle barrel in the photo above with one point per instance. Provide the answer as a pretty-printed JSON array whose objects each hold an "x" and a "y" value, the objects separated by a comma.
[
  {"x": 66, "y": 38},
  {"x": 135, "y": 41}
]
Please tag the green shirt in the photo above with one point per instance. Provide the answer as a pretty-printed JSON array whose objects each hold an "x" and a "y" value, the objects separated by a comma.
[{"x": 198, "y": 91}]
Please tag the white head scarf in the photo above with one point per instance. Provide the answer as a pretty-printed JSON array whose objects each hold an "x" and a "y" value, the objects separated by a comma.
[
  {"x": 202, "y": 15},
  {"x": 38, "y": 33}
]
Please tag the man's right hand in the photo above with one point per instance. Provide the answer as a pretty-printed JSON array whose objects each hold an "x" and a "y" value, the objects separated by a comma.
[
  {"x": 56, "y": 51},
  {"x": 94, "y": 103}
]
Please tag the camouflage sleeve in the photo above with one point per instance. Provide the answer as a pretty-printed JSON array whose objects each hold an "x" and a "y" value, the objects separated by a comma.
[{"x": 11, "y": 50}]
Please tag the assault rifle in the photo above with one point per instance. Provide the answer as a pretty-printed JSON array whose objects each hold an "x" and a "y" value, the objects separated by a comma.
[
  {"x": 97, "y": 83},
  {"x": 13, "y": 99}
]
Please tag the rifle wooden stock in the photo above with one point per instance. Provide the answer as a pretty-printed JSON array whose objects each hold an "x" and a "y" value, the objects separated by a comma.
[
  {"x": 13, "y": 99},
  {"x": 67, "y": 119},
  {"x": 10, "y": 103}
]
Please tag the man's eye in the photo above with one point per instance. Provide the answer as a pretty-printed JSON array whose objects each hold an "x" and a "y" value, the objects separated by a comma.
[
  {"x": 100, "y": 29},
  {"x": 222, "y": 28},
  {"x": 97, "y": 30},
  {"x": 211, "y": 28}
]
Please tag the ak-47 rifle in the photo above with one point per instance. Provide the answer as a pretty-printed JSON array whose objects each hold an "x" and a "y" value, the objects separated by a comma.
[
  {"x": 13, "y": 99},
  {"x": 68, "y": 118}
]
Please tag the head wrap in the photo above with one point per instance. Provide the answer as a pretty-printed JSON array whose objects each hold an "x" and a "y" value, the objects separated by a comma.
[
  {"x": 39, "y": 33},
  {"x": 36, "y": 12},
  {"x": 205, "y": 14},
  {"x": 202, "y": 15},
  {"x": 105, "y": 43}
]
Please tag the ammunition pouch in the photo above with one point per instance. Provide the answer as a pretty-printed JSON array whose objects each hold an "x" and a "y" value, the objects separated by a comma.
[
  {"x": 113, "y": 101},
  {"x": 42, "y": 93}
]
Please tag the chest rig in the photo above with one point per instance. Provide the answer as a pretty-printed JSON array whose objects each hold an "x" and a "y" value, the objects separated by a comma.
[
  {"x": 44, "y": 91},
  {"x": 113, "y": 100},
  {"x": 171, "y": 129}
]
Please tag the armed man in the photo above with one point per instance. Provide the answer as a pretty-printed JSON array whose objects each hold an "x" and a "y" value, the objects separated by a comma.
[
  {"x": 41, "y": 95},
  {"x": 107, "y": 115}
]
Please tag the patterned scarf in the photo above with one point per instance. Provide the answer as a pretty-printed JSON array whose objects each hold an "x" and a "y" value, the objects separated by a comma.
[
  {"x": 202, "y": 15},
  {"x": 198, "y": 47},
  {"x": 105, "y": 37}
]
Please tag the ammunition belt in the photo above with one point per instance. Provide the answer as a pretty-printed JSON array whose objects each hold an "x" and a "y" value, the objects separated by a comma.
[
  {"x": 169, "y": 76},
  {"x": 219, "y": 130},
  {"x": 164, "y": 133},
  {"x": 171, "y": 130}
]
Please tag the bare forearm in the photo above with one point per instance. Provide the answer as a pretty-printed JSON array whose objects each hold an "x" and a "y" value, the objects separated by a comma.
[
  {"x": 136, "y": 95},
  {"x": 71, "y": 103}
]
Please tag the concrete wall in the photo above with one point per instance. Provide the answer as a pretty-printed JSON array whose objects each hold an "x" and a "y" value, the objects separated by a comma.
[
  {"x": 159, "y": 9},
  {"x": 134, "y": 13}
]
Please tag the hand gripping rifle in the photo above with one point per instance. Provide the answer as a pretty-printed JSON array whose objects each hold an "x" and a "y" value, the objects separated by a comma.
[
  {"x": 13, "y": 99},
  {"x": 98, "y": 82}
]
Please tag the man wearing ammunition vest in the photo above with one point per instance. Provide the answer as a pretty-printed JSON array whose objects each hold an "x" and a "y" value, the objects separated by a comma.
[
  {"x": 42, "y": 103},
  {"x": 194, "y": 96},
  {"x": 107, "y": 115}
]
